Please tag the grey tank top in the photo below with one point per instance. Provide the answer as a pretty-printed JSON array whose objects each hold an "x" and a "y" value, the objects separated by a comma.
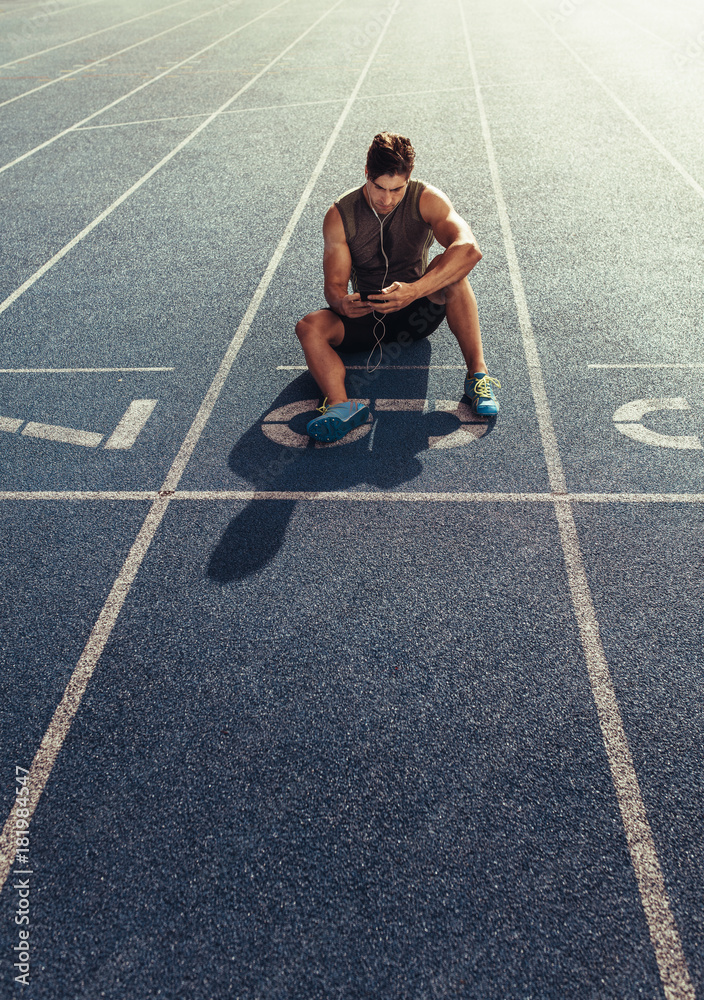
[{"x": 407, "y": 239}]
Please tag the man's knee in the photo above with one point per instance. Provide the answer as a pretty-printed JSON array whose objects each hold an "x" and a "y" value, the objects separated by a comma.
[
  {"x": 303, "y": 328},
  {"x": 319, "y": 326},
  {"x": 309, "y": 328},
  {"x": 459, "y": 288}
]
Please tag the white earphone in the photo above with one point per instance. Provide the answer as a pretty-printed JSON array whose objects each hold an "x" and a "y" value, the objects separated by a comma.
[{"x": 379, "y": 320}]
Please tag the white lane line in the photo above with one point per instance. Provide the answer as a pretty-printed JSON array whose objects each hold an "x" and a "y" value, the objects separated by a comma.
[
  {"x": 66, "y": 435},
  {"x": 10, "y": 425},
  {"x": 97, "y": 62},
  {"x": 48, "y": 13},
  {"x": 664, "y": 936},
  {"x": 84, "y": 38},
  {"x": 410, "y": 405},
  {"x": 59, "y": 726},
  {"x": 204, "y": 114},
  {"x": 142, "y": 180},
  {"x": 548, "y": 437},
  {"x": 369, "y": 496},
  {"x": 131, "y": 424},
  {"x": 665, "y": 153},
  {"x": 72, "y": 495},
  {"x": 70, "y": 371},
  {"x": 634, "y": 498},
  {"x": 688, "y": 364},
  {"x": 269, "y": 107},
  {"x": 387, "y": 368}
]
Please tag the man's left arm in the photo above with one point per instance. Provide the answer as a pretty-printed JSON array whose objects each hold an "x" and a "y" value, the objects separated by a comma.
[{"x": 460, "y": 256}]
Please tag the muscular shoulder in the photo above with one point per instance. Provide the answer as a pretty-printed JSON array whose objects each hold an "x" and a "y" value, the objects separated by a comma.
[
  {"x": 333, "y": 228},
  {"x": 434, "y": 204},
  {"x": 436, "y": 209}
]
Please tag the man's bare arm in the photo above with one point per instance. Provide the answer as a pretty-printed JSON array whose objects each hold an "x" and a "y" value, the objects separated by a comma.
[
  {"x": 452, "y": 232},
  {"x": 337, "y": 268},
  {"x": 460, "y": 256}
]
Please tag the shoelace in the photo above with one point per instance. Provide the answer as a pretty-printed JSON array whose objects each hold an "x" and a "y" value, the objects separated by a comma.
[
  {"x": 322, "y": 408},
  {"x": 482, "y": 387}
]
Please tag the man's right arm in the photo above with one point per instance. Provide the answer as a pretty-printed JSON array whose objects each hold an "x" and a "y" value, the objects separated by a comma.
[{"x": 337, "y": 268}]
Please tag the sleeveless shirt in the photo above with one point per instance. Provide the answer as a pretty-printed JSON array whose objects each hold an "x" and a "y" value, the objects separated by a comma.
[{"x": 407, "y": 239}]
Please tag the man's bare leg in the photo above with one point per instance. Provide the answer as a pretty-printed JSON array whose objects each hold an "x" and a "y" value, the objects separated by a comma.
[
  {"x": 463, "y": 319},
  {"x": 319, "y": 333}
]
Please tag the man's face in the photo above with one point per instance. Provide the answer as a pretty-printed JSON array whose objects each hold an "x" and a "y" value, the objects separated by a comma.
[{"x": 386, "y": 191}]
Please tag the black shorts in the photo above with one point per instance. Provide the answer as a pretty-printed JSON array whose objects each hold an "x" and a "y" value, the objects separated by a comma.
[{"x": 414, "y": 322}]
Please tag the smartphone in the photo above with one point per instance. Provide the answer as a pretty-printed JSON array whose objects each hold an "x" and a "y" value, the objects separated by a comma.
[{"x": 364, "y": 295}]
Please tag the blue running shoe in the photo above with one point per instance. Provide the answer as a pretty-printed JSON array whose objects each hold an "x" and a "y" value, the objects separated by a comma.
[
  {"x": 336, "y": 421},
  {"x": 478, "y": 388}
]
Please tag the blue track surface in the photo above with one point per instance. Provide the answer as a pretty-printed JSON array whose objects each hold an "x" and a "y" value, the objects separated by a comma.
[{"x": 419, "y": 715}]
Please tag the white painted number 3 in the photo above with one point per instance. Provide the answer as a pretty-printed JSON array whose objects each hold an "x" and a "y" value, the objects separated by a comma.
[
  {"x": 629, "y": 416},
  {"x": 276, "y": 424}
]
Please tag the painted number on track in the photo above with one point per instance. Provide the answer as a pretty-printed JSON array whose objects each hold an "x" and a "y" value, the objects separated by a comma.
[
  {"x": 276, "y": 425},
  {"x": 629, "y": 416}
]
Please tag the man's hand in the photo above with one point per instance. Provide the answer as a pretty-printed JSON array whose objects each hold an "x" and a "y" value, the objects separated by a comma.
[
  {"x": 352, "y": 306},
  {"x": 394, "y": 297}
]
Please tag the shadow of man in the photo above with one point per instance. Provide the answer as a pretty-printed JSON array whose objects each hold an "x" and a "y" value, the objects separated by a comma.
[{"x": 277, "y": 457}]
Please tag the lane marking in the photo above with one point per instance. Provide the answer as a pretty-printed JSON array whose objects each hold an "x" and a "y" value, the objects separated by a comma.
[
  {"x": 10, "y": 425},
  {"x": 60, "y": 724},
  {"x": 636, "y": 409},
  {"x": 69, "y": 371},
  {"x": 411, "y": 405},
  {"x": 268, "y": 107},
  {"x": 73, "y": 495},
  {"x": 387, "y": 368},
  {"x": 66, "y": 435},
  {"x": 369, "y": 496},
  {"x": 666, "y": 155},
  {"x": 664, "y": 935},
  {"x": 685, "y": 364},
  {"x": 145, "y": 177},
  {"x": 204, "y": 114},
  {"x": 548, "y": 437},
  {"x": 123, "y": 437},
  {"x": 131, "y": 424},
  {"x": 131, "y": 93},
  {"x": 628, "y": 421},
  {"x": 276, "y": 424},
  {"x": 84, "y": 38},
  {"x": 49, "y": 13}
]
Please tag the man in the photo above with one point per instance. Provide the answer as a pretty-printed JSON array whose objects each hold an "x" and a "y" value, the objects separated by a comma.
[{"x": 378, "y": 236}]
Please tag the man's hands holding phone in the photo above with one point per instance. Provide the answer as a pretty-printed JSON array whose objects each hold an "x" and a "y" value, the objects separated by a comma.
[{"x": 386, "y": 300}]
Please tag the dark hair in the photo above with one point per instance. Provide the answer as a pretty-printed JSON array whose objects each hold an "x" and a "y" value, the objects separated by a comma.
[{"x": 391, "y": 154}]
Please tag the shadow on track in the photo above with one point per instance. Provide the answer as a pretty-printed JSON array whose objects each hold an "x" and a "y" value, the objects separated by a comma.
[{"x": 383, "y": 459}]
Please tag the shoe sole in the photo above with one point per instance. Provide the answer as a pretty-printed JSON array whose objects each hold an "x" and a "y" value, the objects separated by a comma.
[{"x": 329, "y": 429}]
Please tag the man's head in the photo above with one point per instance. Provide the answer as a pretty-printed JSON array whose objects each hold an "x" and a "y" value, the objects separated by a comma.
[{"x": 390, "y": 160}]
